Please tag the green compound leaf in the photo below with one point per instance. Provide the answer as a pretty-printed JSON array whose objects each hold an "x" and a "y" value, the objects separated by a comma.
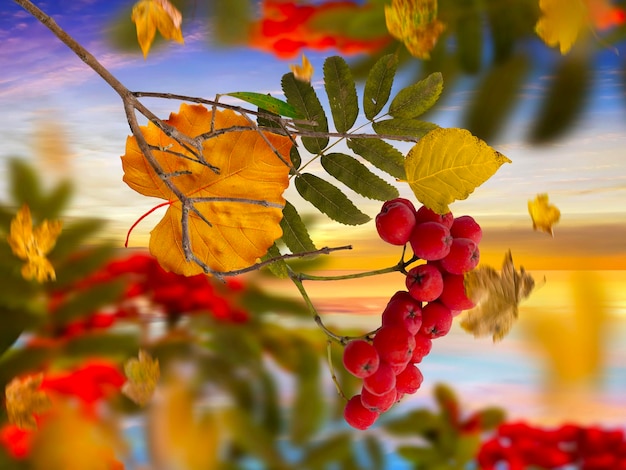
[
  {"x": 416, "y": 99},
  {"x": 447, "y": 165},
  {"x": 266, "y": 102},
  {"x": 329, "y": 199},
  {"x": 277, "y": 268},
  {"x": 341, "y": 90},
  {"x": 303, "y": 98},
  {"x": 382, "y": 155},
  {"x": 296, "y": 159},
  {"x": 295, "y": 234},
  {"x": 378, "y": 85},
  {"x": 403, "y": 127},
  {"x": 357, "y": 177}
]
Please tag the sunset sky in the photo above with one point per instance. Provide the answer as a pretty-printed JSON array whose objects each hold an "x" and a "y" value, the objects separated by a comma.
[{"x": 51, "y": 98}]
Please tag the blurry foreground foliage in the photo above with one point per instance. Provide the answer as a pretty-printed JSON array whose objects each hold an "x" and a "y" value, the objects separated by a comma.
[
  {"x": 496, "y": 42},
  {"x": 242, "y": 379}
]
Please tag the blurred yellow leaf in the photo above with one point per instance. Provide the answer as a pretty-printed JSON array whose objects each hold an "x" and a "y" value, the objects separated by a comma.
[
  {"x": 496, "y": 297},
  {"x": 544, "y": 214},
  {"x": 415, "y": 23},
  {"x": 71, "y": 440},
  {"x": 24, "y": 399},
  {"x": 447, "y": 165},
  {"x": 32, "y": 245},
  {"x": 303, "y": 73},
  {"x": 143, "y": 375},
  {"x": 563, "y": 21},
  {"x": 150, "y": 15}
]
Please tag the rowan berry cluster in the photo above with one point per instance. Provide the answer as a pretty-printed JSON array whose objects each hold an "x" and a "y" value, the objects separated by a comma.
[
  {"x": 523, "y": 446},
  {"x": 412, "y": 318}
]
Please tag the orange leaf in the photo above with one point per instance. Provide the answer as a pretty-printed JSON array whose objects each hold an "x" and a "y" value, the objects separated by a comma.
[
  {"x": 544, "y": 214},
  {"x": 250, "y": 174},
  {"x": 303, "y": 73},
  {"x": 150, "y": 15}
]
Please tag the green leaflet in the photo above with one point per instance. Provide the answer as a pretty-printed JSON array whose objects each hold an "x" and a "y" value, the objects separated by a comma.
[
  {"x": 404, "y": 127},
  {"x": 87, "y": 301},
  {"x": 329, "y": 200},
  {"x": 375, "y": 451},
  {"x": 308, "y": 411},
  {"x": 303, "y": 98},
  {"x": 357, "y": 177},
  {"x": 266, "y": 103},
  {"x": 378, "y": 85},
  {"x": 382, "y": 155},
  {"x": 102, "y": 345},
  {"x": 295, "y": 158},
  {"x": 277, "y": 268},
  {"x": 230, "y": 21},
  {"x": 469, "y": 33},
  {"x": 341, "y": 92},
  {"x": 295, "y": 234},
  {"x": 416, "y": 99},
  {"x": 333, "y": 449}
]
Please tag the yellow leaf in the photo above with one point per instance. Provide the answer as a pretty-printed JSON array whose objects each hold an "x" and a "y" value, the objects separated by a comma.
[
  {"x": 496, "y": 297},
  {"x": 143, "y": 375},
  {"x": 24, "y": 400},
  {"x": 150, "y": 15},
  {"x": 415, "y": 23},
  {"x": 32, "y": 245},
  {"x": 447, "y": 165},
  {"x": 303, "y": 73},
  {"x": 544, "y": 214},
  {"x": 243, "y": 203}
]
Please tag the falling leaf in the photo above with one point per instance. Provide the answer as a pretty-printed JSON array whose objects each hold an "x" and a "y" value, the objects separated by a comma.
[
  {"x": 496, "y": 297},
  {"x": 150, "y": 15},
  {"x": 415, "y": 23},
  {"x": 33, "y": 244},
  {"x": 303, "y": 73},
  {"x": 563, "y": 21},
  {"x": 243, "y": 203},
  {"x": 544, "y": 214},
  {"x": 447, "y": 165},
  {"x": 24, "y": 399},
  {"x": 143, "y": 374}
]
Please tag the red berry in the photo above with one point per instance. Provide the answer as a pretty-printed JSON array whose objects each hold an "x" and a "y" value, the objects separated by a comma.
[
  {"x": 453, "y": 295},
  {"x": 381, "y": 381},
  {"x": 396, "y": 221},
  {"x": 360, "y": 358},
  {"x": 409, "y": 380},
  {"x": 463, "y": 256},
  {"x": 404, "y": 311},
  {"x": 357, "y": 416},
  {"x": 436, "y": 320},
  {"x": 466, "y": 227},
  {"x": 431, "y": 240},
  {"x": 378, "y": 403},
  {"x": 394, "y": 344},
  {"x": 424, "y": 282},
  {"x": 423, "y": 345},
  {"x": 424, "y": 214}
]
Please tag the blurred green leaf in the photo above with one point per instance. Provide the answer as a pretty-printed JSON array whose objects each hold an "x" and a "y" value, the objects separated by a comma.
[
  {"x": 270, "y": 408},
  {"x": 87, "y": 301},
  {"x": 329, "y": 200},
  {"x": 102, "y": 343},
  {"x": 341, "y": 91},
  {"x": 267, "y": 102},
  {"x": 357, "y": 177},
  {"x": 490, "y": 418},
  {"x": 303, "y": 98},
  {"x": 496, "y": 95},
  {"x": 375, "y": 452},
  {"x": 231, "y": 21},
  {"x": 469, "y": 35},
  {"x": 295, "y": 233},
  {"x": 378, "y": 85},
  {"x": 565, "y": 99},
  {"x": 307, "y": 414},
  {"x": 404, "y": 127},
  {"x": 423, "y": 457},
  {"x": 81, "y": 264},
  {"x": 13, "y": 324},
  {"x": 18, "y": 361},
  {"x": 333, "y": 449},
  {"x": 25, "y": 188},
  {"x": 74, "y": 235},
  {"x": 380, "y": 154},
  {"x": 414, "y": 100},
  {"x": 509, "y": 21},
  {"x": 56, "y": 201},
  {"x": 257, "y": 301},
  {"x": 415, "y": 422}
]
